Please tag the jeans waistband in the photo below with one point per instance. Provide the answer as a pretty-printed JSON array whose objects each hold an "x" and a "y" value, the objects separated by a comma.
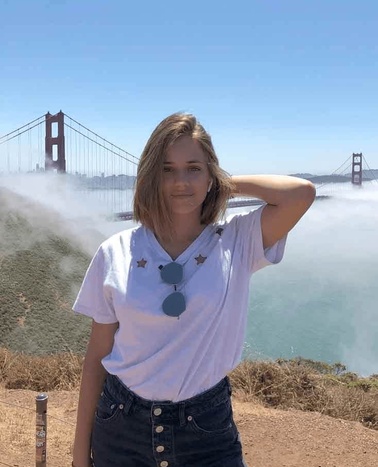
[{"x": 169, "y": 410}]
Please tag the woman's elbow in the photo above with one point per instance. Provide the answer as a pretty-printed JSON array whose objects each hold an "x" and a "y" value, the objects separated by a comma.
[{"x": 308, "y": 192}]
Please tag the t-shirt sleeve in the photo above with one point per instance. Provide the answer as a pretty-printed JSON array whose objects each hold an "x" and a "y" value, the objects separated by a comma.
[
  {"x": 95, "y": 298},
  {"x": 249, "y": 241}
]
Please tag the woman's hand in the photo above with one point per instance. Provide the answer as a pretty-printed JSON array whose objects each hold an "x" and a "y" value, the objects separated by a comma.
[{"x": 287, "y": 198}]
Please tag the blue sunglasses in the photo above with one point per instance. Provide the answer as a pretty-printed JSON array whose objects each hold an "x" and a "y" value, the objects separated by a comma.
[{"x": 173, "y": 273}]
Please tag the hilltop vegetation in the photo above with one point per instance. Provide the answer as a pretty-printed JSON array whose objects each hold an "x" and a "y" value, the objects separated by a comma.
[
  {"x": 285, "y": 384},
  {"x": 40, "y": 272}
]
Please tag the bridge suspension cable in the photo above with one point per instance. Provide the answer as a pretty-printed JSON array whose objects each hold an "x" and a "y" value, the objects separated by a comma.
[
  {"x": 374, "y": 178},
  {"x": 21, "y": 150},
  {"x": 101, "y": 169},
  {"x": 19, "y": 133},
  {"x": 102, "y": 145},
  {"x": 136, "y": 159},
  {"x": 23, "y": 126},
  {"x": 347, "y": 163}
]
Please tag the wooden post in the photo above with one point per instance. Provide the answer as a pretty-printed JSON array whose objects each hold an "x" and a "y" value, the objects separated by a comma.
[{"x": 41, "y": 430}]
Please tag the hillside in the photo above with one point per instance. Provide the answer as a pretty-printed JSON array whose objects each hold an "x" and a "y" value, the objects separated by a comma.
[
  {"x": 41, "y": 269},
  {"x": 367, "y": 176}
]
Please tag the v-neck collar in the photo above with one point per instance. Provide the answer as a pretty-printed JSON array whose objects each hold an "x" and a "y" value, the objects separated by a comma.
[{"x": 184, "y": 256}]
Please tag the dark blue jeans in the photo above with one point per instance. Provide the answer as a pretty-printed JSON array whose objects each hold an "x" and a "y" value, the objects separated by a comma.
[{"x": 130, "y": 431}]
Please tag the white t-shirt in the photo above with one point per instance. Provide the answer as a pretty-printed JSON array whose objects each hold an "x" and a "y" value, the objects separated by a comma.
[{"x": 166, "y": 358}]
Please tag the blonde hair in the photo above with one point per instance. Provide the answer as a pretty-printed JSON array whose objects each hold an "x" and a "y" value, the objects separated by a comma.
[{"x": 149, "y": 205}]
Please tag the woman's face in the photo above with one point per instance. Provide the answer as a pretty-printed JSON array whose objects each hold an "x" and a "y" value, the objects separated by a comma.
[{"x": 186, "y": 176}]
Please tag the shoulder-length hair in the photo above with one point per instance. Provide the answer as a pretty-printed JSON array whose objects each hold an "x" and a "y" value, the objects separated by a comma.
[{"x": 150, "y": 208}]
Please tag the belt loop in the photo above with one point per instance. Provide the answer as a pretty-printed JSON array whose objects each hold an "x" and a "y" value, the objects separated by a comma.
[
  {"x": 128, "y": 404},
  {"x": 182, "y": 413}
]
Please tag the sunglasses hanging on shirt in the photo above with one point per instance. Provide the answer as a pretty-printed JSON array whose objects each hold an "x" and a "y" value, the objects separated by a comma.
[{"x": 175, "y": 304}]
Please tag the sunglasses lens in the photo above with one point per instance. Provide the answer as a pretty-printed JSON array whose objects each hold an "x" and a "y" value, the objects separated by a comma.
[
  {"x": 174, "y": 304},
  {"x": 172, "y": 273}
]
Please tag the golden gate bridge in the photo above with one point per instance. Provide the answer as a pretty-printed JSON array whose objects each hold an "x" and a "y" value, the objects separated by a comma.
[{"x": 94, "y": 166}]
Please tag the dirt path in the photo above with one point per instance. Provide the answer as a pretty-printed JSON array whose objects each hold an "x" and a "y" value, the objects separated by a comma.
[
  {"x": 275, "y": 438},
  {"x": 271, "y": 438}
]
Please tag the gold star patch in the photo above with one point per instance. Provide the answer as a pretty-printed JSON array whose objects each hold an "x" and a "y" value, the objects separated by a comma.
[
  {"x": 200, "y": 259},
  {"x": 219, "y": 231},
  {"x": 142, "y": 263}
]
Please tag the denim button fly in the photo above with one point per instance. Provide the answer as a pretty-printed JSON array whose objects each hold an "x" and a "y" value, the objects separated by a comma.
[{"x": 161, "y": 433}]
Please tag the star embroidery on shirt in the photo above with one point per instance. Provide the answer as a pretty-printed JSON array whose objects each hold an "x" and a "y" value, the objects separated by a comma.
[
  {"x": 219, "y": 231},
  {"x": 200, "y": 259},
  {"x": 142, "y": 263}
]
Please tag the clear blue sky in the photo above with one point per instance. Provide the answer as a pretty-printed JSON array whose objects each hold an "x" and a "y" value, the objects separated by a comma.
[{"x": 282, "y": 85}]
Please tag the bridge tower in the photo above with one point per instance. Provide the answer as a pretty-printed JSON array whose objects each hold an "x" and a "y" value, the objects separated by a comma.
[
  {"x": 55, "y": 159},
  {"x": 357, "y": 169}
]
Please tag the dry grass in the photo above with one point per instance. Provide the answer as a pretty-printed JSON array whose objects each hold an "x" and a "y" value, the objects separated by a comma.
[
  {"x": 295, "y": 384},
  {"x": 40, "y": 373}
]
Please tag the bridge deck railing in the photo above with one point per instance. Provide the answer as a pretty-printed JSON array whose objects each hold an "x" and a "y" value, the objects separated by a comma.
[{"x": 235, "y": 203}]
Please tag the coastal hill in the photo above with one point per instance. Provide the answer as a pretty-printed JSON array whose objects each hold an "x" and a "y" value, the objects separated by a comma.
[
  {"x": 367, "y": 176},
  {"x": 41, "y": 269}
]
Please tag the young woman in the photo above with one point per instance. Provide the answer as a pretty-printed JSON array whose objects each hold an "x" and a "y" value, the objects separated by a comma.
[{"x": 168, "y": 302}]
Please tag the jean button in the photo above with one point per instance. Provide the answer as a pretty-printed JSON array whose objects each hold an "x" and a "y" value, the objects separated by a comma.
[
  {"x": 157, "y": 411},
  {"x": 159, "y": 429},
  {"x": 160, "y": 449},
  {"x": 163, "y": 464}
]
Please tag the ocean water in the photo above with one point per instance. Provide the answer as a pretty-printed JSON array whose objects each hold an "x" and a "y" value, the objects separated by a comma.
[{"x": 320, "y": 302}]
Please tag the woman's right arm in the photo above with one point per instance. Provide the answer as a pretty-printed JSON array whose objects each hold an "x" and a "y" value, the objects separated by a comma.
[{"x": 93, "y": 376}]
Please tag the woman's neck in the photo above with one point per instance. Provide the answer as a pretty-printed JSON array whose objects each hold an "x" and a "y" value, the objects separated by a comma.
[
  {"x": 185, "y": 228},
  {"x": 183, "y": 235}
]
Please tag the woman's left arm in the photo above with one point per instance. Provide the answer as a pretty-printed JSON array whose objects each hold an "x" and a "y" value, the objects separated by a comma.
[{"x": 287, "y": 198}]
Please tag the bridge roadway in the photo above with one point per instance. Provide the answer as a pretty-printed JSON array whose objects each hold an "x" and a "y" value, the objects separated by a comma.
[{"x": 239, "y": 203}]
